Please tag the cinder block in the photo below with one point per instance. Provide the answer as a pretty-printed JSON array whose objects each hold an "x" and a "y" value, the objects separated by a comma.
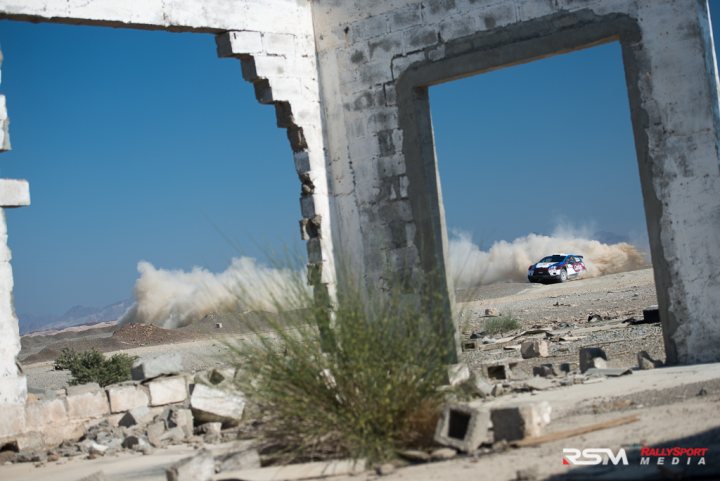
[
  {"x": 126, "y": 396},
  {"x": 522, "y": 421},
  {"x": 544, "y": 370},
  {"x": 592, "y": 357},
  {"x": 534, "y": 348},
  {"x": 499, "y": 371},
  {"x": 463, "y": 426},
  {"x": 88, "y": 404},
  {"x": 167, "y": 390}
]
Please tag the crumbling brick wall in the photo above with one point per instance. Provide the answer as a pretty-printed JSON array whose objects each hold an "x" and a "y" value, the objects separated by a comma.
[{"x": 376, "y": 60}]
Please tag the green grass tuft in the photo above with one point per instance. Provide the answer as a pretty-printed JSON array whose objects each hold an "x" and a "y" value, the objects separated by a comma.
[{"x": 364, "y": 388}]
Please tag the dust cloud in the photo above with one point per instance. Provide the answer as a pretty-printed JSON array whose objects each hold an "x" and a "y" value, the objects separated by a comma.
[
  {"x": 174, "y": 298},
  {"x": 508, "y": 261}
]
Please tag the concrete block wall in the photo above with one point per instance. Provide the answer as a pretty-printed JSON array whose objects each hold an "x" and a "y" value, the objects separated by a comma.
[
  {"x": 376, "y": 60},
  {"x": 66, "y": 414},
  {"x": 13, "y": 385}
]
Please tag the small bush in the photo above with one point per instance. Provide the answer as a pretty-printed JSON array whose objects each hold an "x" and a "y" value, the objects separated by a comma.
[
  {"x": 92, "y": 366},
  {"x": 366, "y": 387},
  {"x": 499, "y": 325}
]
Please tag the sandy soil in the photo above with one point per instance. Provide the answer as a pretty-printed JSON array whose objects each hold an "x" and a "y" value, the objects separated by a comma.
[
  {"x": 615, "y": 297},
  {"x": 565, "y": 308}
]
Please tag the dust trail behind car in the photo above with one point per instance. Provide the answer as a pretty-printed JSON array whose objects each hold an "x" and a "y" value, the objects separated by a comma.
[{"x": 508, "y": 261}]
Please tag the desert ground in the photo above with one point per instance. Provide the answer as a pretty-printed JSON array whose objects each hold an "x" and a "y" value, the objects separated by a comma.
[
  {"x": 561, "y": 308},
  {"x": 667, "y": 406}
]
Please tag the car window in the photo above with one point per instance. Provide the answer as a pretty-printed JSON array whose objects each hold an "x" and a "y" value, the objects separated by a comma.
[{"x": 555, "y": 258}]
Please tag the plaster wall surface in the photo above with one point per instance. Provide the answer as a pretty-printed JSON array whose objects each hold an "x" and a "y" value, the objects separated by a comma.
[
  {"x": 13, "y": 386},
  {"x": 376, "y": 60}
]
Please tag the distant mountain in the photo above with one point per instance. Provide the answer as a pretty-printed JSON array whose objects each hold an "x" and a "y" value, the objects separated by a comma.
[{"x": 75, "y": 316}]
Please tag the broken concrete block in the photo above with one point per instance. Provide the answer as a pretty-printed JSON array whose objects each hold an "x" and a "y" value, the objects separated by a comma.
[
  {"x": 126, "y": 396},
  {"x": 152, "y": 367},
  {"x": 498, "y": 371},
  {"x": 544, "y": 370},
  {"x": 443, "y": 454},
  {"x": 210, "y": 429},
  {"x": 458, "y": 374},
  {"x": 200, "y": 467},
  {"x": 480, "y": 385},
  {"x": 651, "y": 314},
  {"x": 647, "y": 362},
  {"x": 167, "y": 390},
  {"x": 463, "y": 426},
  {"x": 470, "y": 345},
  {"x": 183, "y": 419},
  {"x": 566, "y": 367},
  {"x": 210, "y": 404},
  {"x": 498, "y": 390},
  {"x": 154, "y": 433},
  {"x": 534, "y": 348},
  {"x": 134, "y": 442},
  {"x": 415, "y": 455},
  {"x": 139, "y": 416},
  {"x": 92, "y": 447},
  {"x": 522, "y": 421},
  {"x": 174, "y": 435},
  {"x": 592, "y": 357},
  {"x": 247, "y": 459},
  {"x": 87, "y": 403}
]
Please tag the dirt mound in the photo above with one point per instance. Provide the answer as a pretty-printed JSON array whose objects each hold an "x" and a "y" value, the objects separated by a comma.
[{"x": 141, "y": 334}]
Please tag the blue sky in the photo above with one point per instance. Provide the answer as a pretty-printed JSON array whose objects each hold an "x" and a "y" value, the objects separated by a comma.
[{"x": 145, "y": 146}]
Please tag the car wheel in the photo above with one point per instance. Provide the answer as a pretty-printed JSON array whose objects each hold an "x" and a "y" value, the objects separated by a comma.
[{"x": 563, "y": 275}]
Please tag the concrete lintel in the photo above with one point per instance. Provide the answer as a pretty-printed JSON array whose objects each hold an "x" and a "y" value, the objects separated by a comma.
[{"x": 14, "y": 193}]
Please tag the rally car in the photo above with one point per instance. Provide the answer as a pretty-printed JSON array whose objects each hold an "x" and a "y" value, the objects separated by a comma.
[{"x": 557, "y": 267}]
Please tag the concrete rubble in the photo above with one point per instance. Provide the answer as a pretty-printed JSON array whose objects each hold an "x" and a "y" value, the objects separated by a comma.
[
  {"x": 534, "y": 348},
  {"x": 161, "y": 365},
  {"x": 87, "y": 420}
]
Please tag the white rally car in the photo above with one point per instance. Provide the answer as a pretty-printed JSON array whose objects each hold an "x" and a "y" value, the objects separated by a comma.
[{"x": 557, "y": 268}]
